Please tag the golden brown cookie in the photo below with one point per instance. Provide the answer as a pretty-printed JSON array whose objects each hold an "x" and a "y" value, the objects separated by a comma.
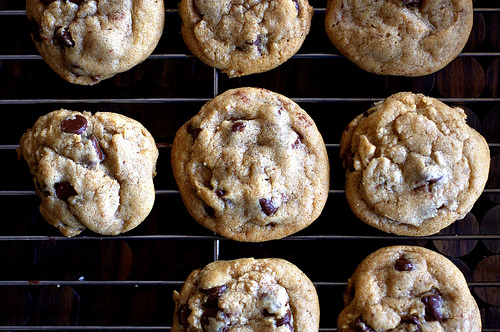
[
  {"x": 86, "y": 41},
  {"x": 405, "y": 288},
  {"x": 251, "y": 166},
  {"x": 413, "y": 165},
  {"x": 245, "y": 36},
  {"x": 399, "y": 37},
  {"x": 91, "y": 171},
  {"x": 259, "y": 295}
]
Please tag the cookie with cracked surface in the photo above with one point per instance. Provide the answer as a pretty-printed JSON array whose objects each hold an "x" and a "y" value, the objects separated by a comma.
[
  {"x": 251, "y": 166},
  {"x": 247, "y": 295},
  {"x": 413, "y": 165},
  {"x": 408, "y": 288},
  {"x": 91, "y": 171},
  {"x": 87, "y": 41},
  {"x": 399, "y": 37},
  {"x": 242, "y": 37}
]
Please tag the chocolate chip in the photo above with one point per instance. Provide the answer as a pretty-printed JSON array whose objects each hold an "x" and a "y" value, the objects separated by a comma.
[
  {"x": 63, "y": 37},
  {"x": 267, "y": 206},
  {"x": 285, "y": 320},
  {"x": 220, "y": 193},
  {"x": 97, "y": 148},
  {"x": 298, "y": 140},
  {"x": 238, "y": 127},
  {"x": 361, "y": 326},
  {"x": 434, "y": 180},
  {"x": 411, "y": 320},
  {"x": 403, "y": 264},
  {"x": 213, "y": 294},
  {"x": 210, "y": 211},
  {"x": 411, "y": 2},
  {"x": 296, "y": 143},
  {"x": 74, "y": 126},
  {"x": 184, "y": 312},
  {"x": 64, "y": 190},
  {"x": 211, "y": 305},
  {"x": 271, "y": 224},
  {"x": 349, "y": 160},
  {"x": 433, "y": 304},
  {"x": 193, "y": 131}
]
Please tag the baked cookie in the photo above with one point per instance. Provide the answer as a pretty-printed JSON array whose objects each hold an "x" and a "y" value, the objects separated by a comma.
[
  {"x": 247, "y": 295},
  {"x": 244, "y": 37},
  {"x": 91, "y": 171},
  {"x": 406, "y": 288},
  {"x": 413, "y": 165},
  {"x": 251, "y": 166},
  {"x": 86, "y": 41},
  {"x": 399, "y": 37}
]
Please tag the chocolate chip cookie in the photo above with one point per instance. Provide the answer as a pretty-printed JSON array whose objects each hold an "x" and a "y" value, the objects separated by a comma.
[
  {"x": 245, "y": 36},
  {"x": 399, "y": 37},
  {"x": 251, "y": 166},
  {"x": 405, "y": 288},
  {"x": 91, "y": 171},
  {"x": 413, "y": 165},
  {"x": 87, "y": 41},
  {"x": 247, "y": 295}
]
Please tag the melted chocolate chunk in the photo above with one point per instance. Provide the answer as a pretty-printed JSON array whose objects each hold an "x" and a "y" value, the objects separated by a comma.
[
  {"x": 361, "y": 326},
  {"x": 349, "y": 161},
  {"x": 432, "y": 181},
  {"x": 63, "y": 37},
  {"x": 285, "y": 320},
  {"x": 220, "y": 193},
  {"x": 411, "y": 320},
  {"x": 97, "y": 148},
  {"x": 213, "y": 294},
  {"x": 411, "y": 2},
  {"x": 193, "y": 131},
  {"x": 238, "y": 127},
  {"x": 433, "y": 304},
  {"x": 267, "y": 206},
  {"x": 74, "y": 126},
  {"x": 298, "y": 140},
  {"x": 403, "y": 264},
  {"x": 210, "y": 211},
  {"x": 184, "y": 312},
  {"x": 64, "y": 190},
  {"x": 211, "y": 306}
]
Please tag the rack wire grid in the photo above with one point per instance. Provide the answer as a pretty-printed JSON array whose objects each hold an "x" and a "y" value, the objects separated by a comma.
[{"x": 125, "y": 283}]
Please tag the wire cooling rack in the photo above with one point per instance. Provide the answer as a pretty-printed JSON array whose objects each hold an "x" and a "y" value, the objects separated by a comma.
[{"x": 125, "y": 283}]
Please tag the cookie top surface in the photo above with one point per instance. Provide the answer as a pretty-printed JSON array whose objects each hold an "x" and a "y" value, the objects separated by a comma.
[
  {"x": 243, "y": 37},
  {"x": 406, "y": 288},
  {"x": 86, "y": 41},
  {"x": 91, "y": 171},
  {"x": 251, "y": 166},
  {"x": 247, "y": 295},
  {"x": 413, "y": 165},
  {"x": 399, "y": 37}
]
